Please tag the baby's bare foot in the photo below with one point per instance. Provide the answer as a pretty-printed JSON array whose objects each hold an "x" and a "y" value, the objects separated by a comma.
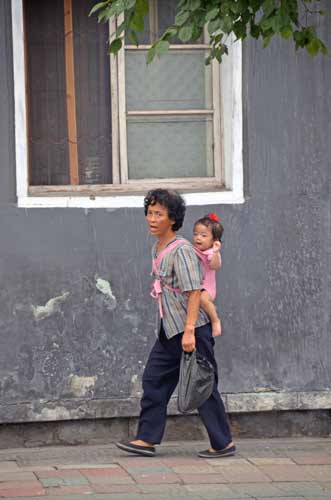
[{"x": 216, "y": 328}]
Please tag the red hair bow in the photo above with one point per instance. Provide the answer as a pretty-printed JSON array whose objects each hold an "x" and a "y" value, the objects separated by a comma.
[{"x": 213, "y": 216}]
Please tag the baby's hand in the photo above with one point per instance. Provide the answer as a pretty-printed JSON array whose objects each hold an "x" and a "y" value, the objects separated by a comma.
[{"x": 216, "y": 246}]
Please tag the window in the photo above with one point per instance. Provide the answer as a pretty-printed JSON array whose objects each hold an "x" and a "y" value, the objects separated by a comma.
[{"x": 94, "y": 130}]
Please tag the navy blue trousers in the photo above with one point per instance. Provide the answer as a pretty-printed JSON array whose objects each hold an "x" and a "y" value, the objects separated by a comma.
[{"x": 160, "y": 379}]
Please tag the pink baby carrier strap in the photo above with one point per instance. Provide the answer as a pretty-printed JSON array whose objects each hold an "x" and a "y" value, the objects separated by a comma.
[{"x": 157, "y": 285}]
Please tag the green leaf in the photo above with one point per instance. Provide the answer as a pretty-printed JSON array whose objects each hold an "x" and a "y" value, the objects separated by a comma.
[
  {"x": 181, "y": 18},
  {"x": 208, "y": 60},
  {"x": 313, "y": 47},
  {"x": 137, "y": 23},
  {"x": 255, "y": 30},
  {"x": 115, "y": 46},
  {"x": 286, "y": 33},
  {"x": 169, "y": 33},
  {"x": 237, "y": 7},
  {"x": 240, "y": 30},
  {"x": 151, "y": 54},
  {"x": 195, "y": 4},
  {"x": 121, "y": 28},
  {"x": 128, "y": 4},
  {"x": 267, "y": 40},
  {"x": 97, "y": 7},
  {"x": 211, "y": 14},
  {"x": 185, "y": 33},
  {"x": 133, "y": 38},
  {"x": 266, "y": 24},
  {"x": 226, "y": 24},
  {"x": 214, "y": 26},
  {"x": 161, "y": 47},
  {"x": 142, "y": 7},
  {"x": 268, "y": 7}
]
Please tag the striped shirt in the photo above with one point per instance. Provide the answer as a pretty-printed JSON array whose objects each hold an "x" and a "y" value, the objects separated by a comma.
[{"x": 180, "y": 268}]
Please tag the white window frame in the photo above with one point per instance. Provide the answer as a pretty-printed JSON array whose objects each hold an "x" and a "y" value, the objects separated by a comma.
[{"x": 230, "y": 96}]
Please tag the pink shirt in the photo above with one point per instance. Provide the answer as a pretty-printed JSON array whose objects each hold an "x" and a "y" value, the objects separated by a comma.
[{"x": 209, "y": 280}]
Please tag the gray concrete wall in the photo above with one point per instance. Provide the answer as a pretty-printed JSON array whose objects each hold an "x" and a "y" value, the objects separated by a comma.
[{"x": 68, "y": 350}]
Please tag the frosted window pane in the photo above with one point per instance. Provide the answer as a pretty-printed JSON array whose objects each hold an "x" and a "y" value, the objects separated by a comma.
[
  {"x": 166, "y": 12},
  {"x": 164, "y": 147},
  {"x": 178, "y": 80}
]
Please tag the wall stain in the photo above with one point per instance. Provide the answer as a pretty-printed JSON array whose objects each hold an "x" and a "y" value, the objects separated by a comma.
[
  {"x": 104, "y": 287},
  {"x": 52, "y": 306},
  {"x": 80, "y": 386}
]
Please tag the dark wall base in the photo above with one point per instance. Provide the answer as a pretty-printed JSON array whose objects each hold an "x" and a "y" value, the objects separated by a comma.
[{"x": 312, "y": 423}]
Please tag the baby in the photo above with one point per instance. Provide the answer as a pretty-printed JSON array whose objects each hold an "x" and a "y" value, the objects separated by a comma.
[{"x": 207, "y": 234}]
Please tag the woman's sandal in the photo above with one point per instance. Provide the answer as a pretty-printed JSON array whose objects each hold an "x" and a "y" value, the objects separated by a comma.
[
  {"x": 145, "y": 451},
  {"x": 226, "y": 452}
]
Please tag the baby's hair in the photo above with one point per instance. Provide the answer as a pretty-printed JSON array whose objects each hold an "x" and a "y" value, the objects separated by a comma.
[
  {"x": 169, "y": 199},
  {"x": 211, "y": 221}
]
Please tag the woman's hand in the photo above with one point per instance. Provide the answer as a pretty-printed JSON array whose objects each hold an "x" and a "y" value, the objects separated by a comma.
[{"x": 188, "y": 339}]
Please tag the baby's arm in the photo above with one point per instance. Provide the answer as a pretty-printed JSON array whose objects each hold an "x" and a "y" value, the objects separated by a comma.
[{"x": 216, "y": 261}]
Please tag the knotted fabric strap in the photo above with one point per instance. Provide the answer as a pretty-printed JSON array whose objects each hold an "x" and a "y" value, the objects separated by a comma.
[{"x": 157, "y": 285}]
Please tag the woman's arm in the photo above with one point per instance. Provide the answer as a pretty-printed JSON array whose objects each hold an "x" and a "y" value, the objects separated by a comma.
[{"x": 193, "y": 304}]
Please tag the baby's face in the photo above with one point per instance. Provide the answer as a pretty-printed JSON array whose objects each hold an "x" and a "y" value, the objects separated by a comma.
[{"x": 202, "y": 237}]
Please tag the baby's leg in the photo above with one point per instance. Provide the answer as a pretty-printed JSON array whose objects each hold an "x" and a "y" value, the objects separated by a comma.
[{"x": 208, "y": 306}]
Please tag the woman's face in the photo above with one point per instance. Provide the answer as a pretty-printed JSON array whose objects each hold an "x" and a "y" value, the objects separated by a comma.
[{"x": 158, "y": 220}]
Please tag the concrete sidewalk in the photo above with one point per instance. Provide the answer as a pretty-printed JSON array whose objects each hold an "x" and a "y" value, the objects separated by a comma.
[{"x": 278, "y": 469}]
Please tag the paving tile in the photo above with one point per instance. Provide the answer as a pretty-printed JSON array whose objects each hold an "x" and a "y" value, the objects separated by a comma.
[
  {"x": 312, "y": 459},
  {"x": 191, "y": 469},
  {"x": 28, "y": 490},
  {"x": 287, "y": 472},
  {"x": 156, "y": 478},
  {"x": 325, "y": 485},
  {"x": 107, "y": 476},
  {"x": 171, "y": 489},
  {"x": 57, "y": 481},
  {"x": 111, "y": 480},
  {"x": 228, "y": 462},
  {"x": 202, "y": 478},
  {"x": 62, "y": 474},
  {"x": 221, "y": 497},
  {"x": 218, "y": 497},
  {"x": 318, "y": 472},
  {"x": 170, "y": 461},
  {"x": 256, "y": 489},
  {"x": 8, "y": 466},
  {"x": 115, "y": 488},
  {"x": 52, "y": 482},
  {"x": 104, "y": 472},
  {"x": 17, "y": 476},
  {"x": 36, "y": 468},
  {"x": 215, "y": 491},
  {"x": 149, "y": 469},
  {"x": 243, "y": 474},
  {"x": 69, "y": 490},
  {"x": 137, "y": 461},
  {"x": 85, "y": 466},
  {"x": 280, "y": 498},
  {"x": 271, "y": 461},
  {"x": 304, "y": 489},
  {"x": 315, "y": 497}
]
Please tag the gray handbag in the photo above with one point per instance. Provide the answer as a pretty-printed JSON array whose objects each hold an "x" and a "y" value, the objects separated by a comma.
[{"x": 196, "y": 380}]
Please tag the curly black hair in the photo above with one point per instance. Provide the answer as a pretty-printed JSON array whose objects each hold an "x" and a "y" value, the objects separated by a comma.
[
  {"x": 170, "y": 199},
  {"x": 216, "y": 227}
]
